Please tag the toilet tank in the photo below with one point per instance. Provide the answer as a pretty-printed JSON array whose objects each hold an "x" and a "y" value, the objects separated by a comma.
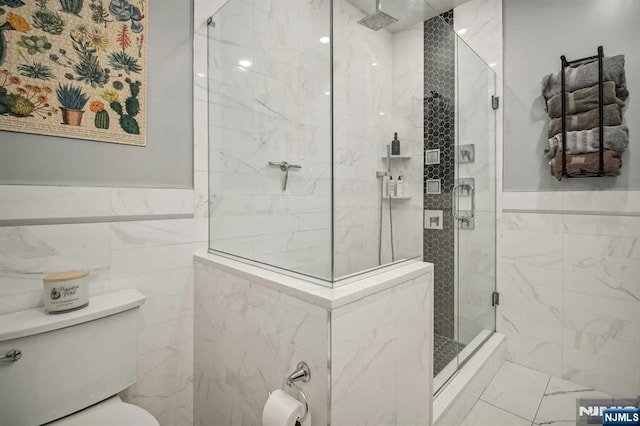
[{"x": 69, "y": 361}]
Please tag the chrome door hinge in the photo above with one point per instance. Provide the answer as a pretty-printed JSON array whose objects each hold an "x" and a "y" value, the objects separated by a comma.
[
  {"x": 495, "y": 102},
  {"x": 495, "y": 298}
]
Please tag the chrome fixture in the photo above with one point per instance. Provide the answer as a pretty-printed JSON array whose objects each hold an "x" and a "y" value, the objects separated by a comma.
[
  {"x": 284, "y": 166},
  {"x": 302, "y": 374},
  {"x": 12, "y": 356},
  {"x": 465, "y": 187},
  {"x": 377, "y": 20}
]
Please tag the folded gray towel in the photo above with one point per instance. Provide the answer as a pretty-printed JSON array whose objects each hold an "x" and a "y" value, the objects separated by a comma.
[
  {"x": 586, "y": 75},
  {"x": 587, "y": 120},
  {"x": 588, "y": 164},
  {"x": 583, "y": 100},
  {"x": 584, "y": 141}
]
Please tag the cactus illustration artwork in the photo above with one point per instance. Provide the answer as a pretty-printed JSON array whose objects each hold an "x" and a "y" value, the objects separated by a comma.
[
  {"x": 131, "y": 107},
  {"x": 47, "y": 20},
  {"x": 75, "y": 69},
  {"x": 102, "y": 117},
  {"x": 72, "y": 101},
  {"x": 72, "y": 6}
]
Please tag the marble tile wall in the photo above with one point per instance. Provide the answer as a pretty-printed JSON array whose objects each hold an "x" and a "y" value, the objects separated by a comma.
[
  {"x": 377, "y": 91},
  {"x": 153, "y": 256},
  {"x": 248, "y": 338},
  {"x": 251, "y": 331},
  {"x": 374, "y": 342},
  {"x": 408, "y": 121},
  {"x": 280, "y": 109},
  {"x": 571, "y": 297},
  {"x": 276, "y": 109},
  {"x": 127, "y": 238},
  {"x": 568, "y": 278},
  {"x": 363, "y": 125}
]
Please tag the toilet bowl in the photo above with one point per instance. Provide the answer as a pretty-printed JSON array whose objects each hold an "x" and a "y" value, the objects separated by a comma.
[
  {"x": 110, "y": 412},
  {"x": 67, "y": 369}
]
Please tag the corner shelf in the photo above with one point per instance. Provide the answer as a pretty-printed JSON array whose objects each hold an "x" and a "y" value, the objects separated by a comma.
[
  {"x": 398, "y": 157},
  {"x": 404, "y": 197}
]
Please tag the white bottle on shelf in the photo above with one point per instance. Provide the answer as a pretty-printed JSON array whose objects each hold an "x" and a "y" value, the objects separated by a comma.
[
  {"x": 392, "y": 187},
  {"x": 400, "y": 187}
]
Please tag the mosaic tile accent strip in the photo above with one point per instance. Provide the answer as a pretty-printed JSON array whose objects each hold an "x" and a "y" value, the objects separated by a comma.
[{"x": 439, "y": 124}]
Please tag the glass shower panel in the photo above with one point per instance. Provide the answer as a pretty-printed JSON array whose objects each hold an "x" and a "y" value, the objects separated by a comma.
[
  {"x": 270, "y": 133},
  {"x": 377, "y": 92},
  {"x": 475, "y": 199}
]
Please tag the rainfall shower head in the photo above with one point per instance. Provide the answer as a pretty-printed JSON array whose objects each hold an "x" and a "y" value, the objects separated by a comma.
[{"x": 378, "y": 20}]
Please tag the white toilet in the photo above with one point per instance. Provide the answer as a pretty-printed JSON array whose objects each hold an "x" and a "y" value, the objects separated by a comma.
[{"x": 72, "y": 365}]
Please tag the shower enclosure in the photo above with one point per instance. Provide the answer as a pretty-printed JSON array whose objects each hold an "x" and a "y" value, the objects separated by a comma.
[{"x": 304, "y": 101}]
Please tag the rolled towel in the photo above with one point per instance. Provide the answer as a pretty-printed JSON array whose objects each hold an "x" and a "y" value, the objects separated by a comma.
[
  {"x": 586, "y": 75},
  {"x": 585, "y": 141},
  {"x": 588, "y": 164},
  {"x": 587, "y": 120},
  {"x": 586, "y": 99}
]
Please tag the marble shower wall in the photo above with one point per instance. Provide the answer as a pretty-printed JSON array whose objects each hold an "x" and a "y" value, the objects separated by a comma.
[
  {"x": 248, "y": 338},
  {"x": 277, "y": 108},
  {"x": 253, "y": 327},
  {"x": 363, "y": 124},
  {"x": 377, "y": 91},
  {"x": 382, "y": 357}
]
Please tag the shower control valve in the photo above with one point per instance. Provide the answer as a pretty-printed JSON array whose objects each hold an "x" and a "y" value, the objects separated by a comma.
[{"x": 284, "y": 166}]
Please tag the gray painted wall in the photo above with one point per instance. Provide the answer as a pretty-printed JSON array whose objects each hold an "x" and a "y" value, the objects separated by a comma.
[
  {"x": 536, "y": 34},
  {"x": 166, "y": 161}
]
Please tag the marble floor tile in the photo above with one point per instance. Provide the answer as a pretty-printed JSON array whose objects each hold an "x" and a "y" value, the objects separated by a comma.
[
  {"x": 485, "y": 414},
  {"x": 517, "y": 389},
  {"x": 558, "y": 404}
]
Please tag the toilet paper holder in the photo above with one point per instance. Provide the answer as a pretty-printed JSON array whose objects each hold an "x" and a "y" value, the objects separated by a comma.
[{"x": 302, "y": 373}]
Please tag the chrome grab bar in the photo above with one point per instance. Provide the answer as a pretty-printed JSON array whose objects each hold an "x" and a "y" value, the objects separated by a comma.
[
  {"x": 12, "y": 356},
  {"x": 284, "y": 166}
]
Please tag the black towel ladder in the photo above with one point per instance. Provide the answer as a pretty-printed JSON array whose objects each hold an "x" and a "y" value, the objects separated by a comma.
[{"x": 564, "y": 64}]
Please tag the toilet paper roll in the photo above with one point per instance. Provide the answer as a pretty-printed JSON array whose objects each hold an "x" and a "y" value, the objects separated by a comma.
[{"x": 282, "y": 409}]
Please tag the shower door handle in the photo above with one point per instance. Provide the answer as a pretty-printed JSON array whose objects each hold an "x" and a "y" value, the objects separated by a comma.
[
  {"x": 471, "y": 190},
  {"x": 454, "y": 202}
]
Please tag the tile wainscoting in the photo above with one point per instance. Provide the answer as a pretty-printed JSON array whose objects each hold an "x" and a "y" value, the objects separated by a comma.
[
  {"x": 568, "y": 276},
  {"x": 253, "y": 326}
]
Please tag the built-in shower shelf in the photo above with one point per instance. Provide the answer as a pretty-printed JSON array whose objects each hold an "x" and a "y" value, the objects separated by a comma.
[
  {"x": 404, "y": 197},
  {"x": 397, "y": 157}
]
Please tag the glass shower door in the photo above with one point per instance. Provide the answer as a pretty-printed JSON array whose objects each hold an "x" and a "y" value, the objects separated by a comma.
[{"x": 474, "y": 201}]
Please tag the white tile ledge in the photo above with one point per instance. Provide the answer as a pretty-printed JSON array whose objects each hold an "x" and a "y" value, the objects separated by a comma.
[
  {"x": 22, "y": 205},
  {"x": 324, "y": 297},
  {"x": 609, "y": 203}
]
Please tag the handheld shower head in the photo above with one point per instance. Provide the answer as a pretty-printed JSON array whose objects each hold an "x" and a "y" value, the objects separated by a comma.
[{"x": 378, "y": 20}]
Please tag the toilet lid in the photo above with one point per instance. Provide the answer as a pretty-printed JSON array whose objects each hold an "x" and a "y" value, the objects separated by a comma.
[{"x": 110, "y": 412}]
